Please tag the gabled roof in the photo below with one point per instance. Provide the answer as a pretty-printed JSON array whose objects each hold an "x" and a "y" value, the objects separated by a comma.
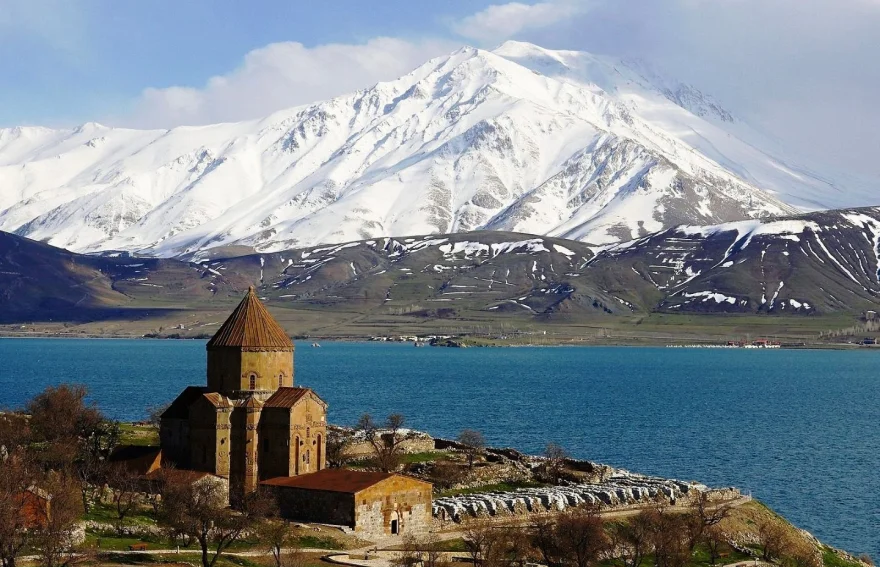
[
  {"x": 335, "y": 480},
  {"x": 286, "y": 397},
  {"x": 251, "y": 326},
  {"x": 137, "y": 459},
  {"x": 218, "y": 400},
  {"x": 179, "y": 408}
]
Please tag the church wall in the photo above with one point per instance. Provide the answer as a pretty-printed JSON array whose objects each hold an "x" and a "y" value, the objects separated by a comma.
[
  {"x": 224, "y": 369},
  {"x": 230, "y": 370},
  {"x": 275, "y": 442},
  {"x": 318, "y": 506},
  {"x": 203, "y": 438},
  {"x": 174, "y": 439},
  {"x": 397, "y": 498},
  {"x": 308, "y": 423},
  {"x": 272, "y": 369}
]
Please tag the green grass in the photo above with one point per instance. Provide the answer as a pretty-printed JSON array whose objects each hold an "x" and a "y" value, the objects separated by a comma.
[
  {"x": 112, "y": 543},
  {"x": 831, "y": 559},
  {"x": 140, "y": 435},
  {"x": 107, "y": 514},
  {"x": 405, "y": 458},
  {"x": 426, "y": 457},
  {"x": 498, "y": 487},
  {"x": 319, "y": 542}
]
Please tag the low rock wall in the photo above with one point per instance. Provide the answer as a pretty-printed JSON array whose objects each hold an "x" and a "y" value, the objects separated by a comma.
[{"x": 618, "y": 491}]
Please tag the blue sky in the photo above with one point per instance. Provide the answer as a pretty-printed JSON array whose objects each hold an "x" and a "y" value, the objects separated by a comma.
[
  {"x": 72, "y": 60},
  {"x": 805, "y": 71}
]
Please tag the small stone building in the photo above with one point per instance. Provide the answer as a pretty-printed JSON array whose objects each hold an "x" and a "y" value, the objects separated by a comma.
[
  {"x": 249, "y": 423},
  {"x": 373, "y": 504}
]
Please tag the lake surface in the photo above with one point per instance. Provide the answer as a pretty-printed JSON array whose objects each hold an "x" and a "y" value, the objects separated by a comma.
[{"x": 799, "y": 429}]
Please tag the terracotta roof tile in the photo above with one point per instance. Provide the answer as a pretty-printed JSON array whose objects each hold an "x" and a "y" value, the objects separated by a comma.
[
  {"x": 251, "y": 326},
  {"x": 331, "y": 480},
  {"x": 218, "y": 400},
  {"x": 286, "y": 397},
  {"x": 177, "y": 475},
  {"x": 138, "y": 459}
]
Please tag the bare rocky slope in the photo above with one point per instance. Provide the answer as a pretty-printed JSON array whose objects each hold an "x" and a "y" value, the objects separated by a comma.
[{"x": 811, "y": 264}]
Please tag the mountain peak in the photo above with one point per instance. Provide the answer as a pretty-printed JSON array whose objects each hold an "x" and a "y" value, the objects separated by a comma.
[{"x": 520, "y": 138}]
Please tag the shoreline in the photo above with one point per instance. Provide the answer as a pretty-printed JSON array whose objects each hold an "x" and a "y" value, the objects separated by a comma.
[{"x": 467, "y": 343}]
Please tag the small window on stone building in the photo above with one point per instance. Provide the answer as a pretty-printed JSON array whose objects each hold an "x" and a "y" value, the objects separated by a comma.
[
  {"x": 280, "y": 380},
  {"x": 253, "y": 381}
]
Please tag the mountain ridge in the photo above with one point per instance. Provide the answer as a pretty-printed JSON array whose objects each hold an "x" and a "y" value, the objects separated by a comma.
[
  {"x": 469, "y": 141},
  {"x": 814, "y": 264}
]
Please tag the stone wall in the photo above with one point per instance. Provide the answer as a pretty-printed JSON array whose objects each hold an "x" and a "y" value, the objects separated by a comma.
[
  {"x": 399, "y": 498},
  {"x": 620, "y": 490},
  {"x": 419, "y": 443},
  {"x": 322, "y": 507}
]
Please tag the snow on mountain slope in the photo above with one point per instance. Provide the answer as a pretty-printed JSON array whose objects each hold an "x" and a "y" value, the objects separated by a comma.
[
  {"x": 473, "y": 140},
  {"x": 700, "y": 121}
]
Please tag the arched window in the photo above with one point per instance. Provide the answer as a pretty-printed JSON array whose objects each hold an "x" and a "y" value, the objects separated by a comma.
[
  {"x": 280, "y": 380},
  {"x": 253, "y": 381}
]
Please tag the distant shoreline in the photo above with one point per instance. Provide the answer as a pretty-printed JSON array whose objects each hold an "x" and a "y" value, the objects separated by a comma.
[{"x": 561, "y": 344}]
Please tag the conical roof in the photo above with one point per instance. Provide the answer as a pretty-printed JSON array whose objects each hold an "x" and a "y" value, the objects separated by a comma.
[{"x": 251, "y": 327}]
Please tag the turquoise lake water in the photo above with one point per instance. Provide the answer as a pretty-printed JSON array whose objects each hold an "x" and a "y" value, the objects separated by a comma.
[{"x": 799, "y": 429}]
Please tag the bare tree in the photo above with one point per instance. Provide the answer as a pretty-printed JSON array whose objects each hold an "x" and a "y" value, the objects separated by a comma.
[
  {"x": 410, "y": 553},
  {"x": 773, "y": 538},
  {"x": 799, "y": 553},
  {"x": 55, "y": 537},
  {"x": 338, "y": 441},
  {"x": 74, "y": 435},
  {"x": 473, "y": 442},
  {"x": 386, "y": 439},
  {"x": 631, "y": 540},
  {"x": 283, "y": 545},
  {"x": 199, "y": 510},
  {"x": 17, "y": 474},
  {"x": 710, "y": 513},
  {"x": 432, "y": 555},
  {"x": 125, "y": 488},
  {"x": 154, "y": 413},
  {"x": 15, "y": 433},
  {"x": 716, "y": 542},
  {"x": 581, "y": 536},
  {"x": 483, "y": 542},
  {"x": 544, "y": 539},
  {"x": 556, "y": 457},
  {"x": 669, "y": 537}
]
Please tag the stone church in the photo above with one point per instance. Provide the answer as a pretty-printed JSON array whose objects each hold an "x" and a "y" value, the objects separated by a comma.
[{"x": 249, "y": 423}]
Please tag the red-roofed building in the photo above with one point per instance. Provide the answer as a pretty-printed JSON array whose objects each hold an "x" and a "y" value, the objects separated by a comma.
[{"x": 373, "y": 504}]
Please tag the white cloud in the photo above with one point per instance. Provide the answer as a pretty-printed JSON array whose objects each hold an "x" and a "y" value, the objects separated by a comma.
[
  {"x": 804, "y": 70},
  {"x": 282, "y": 75},
  {"x": 503, "y": 21}
]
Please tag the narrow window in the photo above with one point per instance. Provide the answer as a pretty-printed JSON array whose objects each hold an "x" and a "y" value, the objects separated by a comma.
[
  {"x": 253, "y": 384},
  {"x": 280, "y": 380}
]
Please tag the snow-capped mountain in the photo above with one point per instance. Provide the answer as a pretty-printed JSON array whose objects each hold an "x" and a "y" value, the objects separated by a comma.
[{"x": 519, "y": 139}]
